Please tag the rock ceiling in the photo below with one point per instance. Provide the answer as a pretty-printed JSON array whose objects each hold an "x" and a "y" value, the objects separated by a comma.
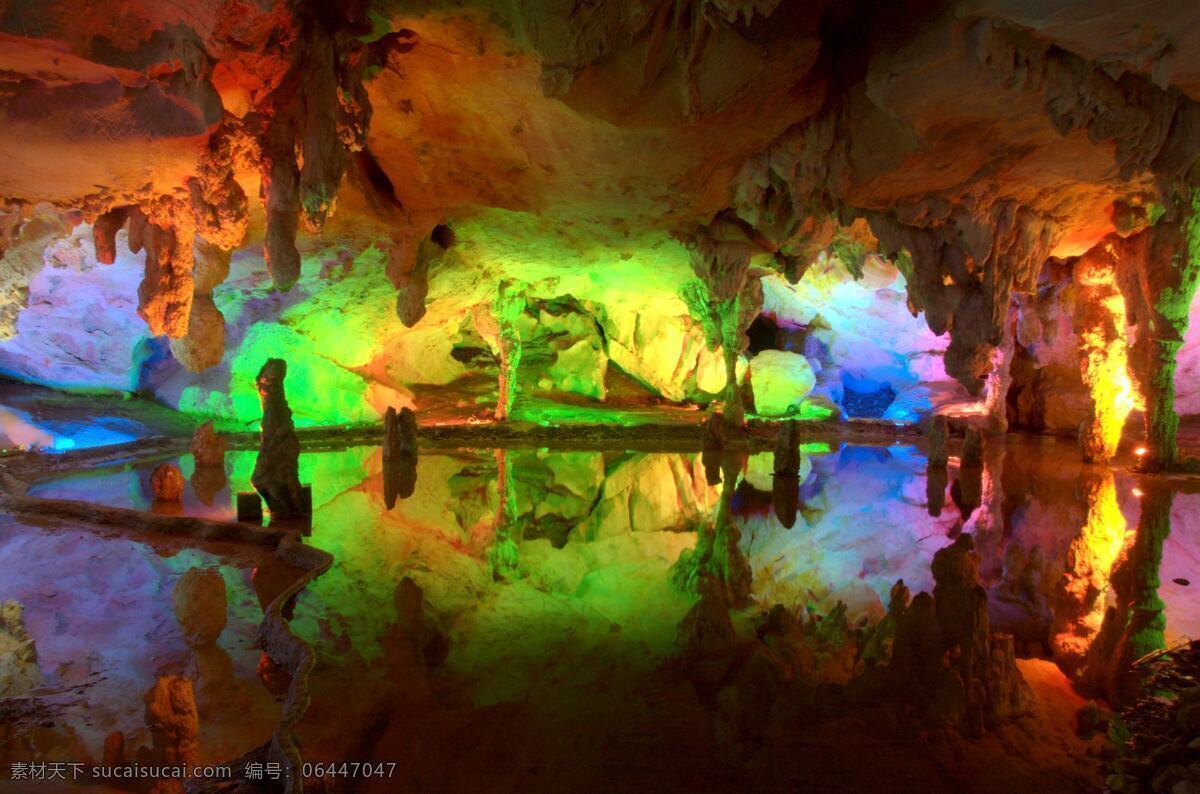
[{"x": 978, "y": 138}]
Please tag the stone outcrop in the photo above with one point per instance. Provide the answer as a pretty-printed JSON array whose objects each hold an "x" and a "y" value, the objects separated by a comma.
[{"x": 276, "y": 474}]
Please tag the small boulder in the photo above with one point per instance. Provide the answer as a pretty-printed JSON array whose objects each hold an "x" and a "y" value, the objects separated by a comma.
[{"x": 166, "y": 481}]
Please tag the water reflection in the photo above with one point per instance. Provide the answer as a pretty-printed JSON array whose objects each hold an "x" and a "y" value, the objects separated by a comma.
[{"x": 611, "y": 533}]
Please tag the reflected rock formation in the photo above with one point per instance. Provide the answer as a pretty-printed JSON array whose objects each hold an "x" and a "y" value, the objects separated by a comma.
[
  {"x": 716, "y": 553},
  {"x": 785, "y": 485},
  {"x": 1134, "y": 626},
  {"x": 399, "y": 455}
]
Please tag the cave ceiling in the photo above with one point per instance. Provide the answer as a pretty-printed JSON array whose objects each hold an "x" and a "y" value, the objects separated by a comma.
[{"x": 979, "y": 137}]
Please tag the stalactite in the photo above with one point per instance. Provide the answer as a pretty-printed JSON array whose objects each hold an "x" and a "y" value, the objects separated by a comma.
[
  {"x": 203, "y": 346},
  {"x": 165, "y": 230}
]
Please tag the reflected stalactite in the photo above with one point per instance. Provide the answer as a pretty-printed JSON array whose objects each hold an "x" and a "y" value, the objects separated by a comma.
[
  {"x": 716, "y": 553},
  {"x": 936, "y": 479},
  {"x": 1080, "y": 596},
  {"x": 714, "y": 444},
  {"x": 1135, "y": 625},
  {"x": 987, "y": 522},
  {"x": 785, "y": 486},
  {"x": 503, "y": 554}
]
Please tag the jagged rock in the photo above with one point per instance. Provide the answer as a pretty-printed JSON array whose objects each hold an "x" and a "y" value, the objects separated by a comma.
[
  {"x": 207, "y": 447},
  {"x": 166, "y": 482},
  {"x": 200, "y": 603},
  {"x": 276, "y": 474},
  {"x": 19, "y": 671}
]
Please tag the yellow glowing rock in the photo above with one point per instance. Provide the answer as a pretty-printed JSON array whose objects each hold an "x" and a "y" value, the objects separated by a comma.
[{"x": 781, "y": 380}]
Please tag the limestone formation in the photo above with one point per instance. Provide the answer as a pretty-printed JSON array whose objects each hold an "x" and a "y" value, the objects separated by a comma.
[
  {"x": 399, "y": 433},
  {"x": 207, "y": 447},
  {"x": 166, "y": 482},
  {"x": 200, "y": 603},
  {"x": 19, "y": 671},
  {"x": 276, "y": 470}
]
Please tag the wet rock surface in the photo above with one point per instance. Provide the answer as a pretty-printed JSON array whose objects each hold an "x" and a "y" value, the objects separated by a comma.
[{"x": 200, "y": 603}]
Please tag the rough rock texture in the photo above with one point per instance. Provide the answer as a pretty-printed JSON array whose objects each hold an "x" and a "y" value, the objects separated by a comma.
[
  {"x": 276, "y": 469},
  {"x": 968, "y": 142},
  {"x": 19, "y": 670},
  {"x": 200, "y": 606},
  {"x": 945, "y": 655},
  {"x": 207, "y": 447},
  {"x": 166, "y": 483}
]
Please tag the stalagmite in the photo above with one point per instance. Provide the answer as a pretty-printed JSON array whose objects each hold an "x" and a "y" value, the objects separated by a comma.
[
  {"x": 276, "y": 470},
  {"x": 1160, "y": 269},
  {"x": 1099, "y": 322}
]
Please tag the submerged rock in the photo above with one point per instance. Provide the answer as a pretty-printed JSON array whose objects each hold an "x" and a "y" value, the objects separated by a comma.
[
  {"x": 276, "y": 474},
  {"x": 201, "y": 606}
]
